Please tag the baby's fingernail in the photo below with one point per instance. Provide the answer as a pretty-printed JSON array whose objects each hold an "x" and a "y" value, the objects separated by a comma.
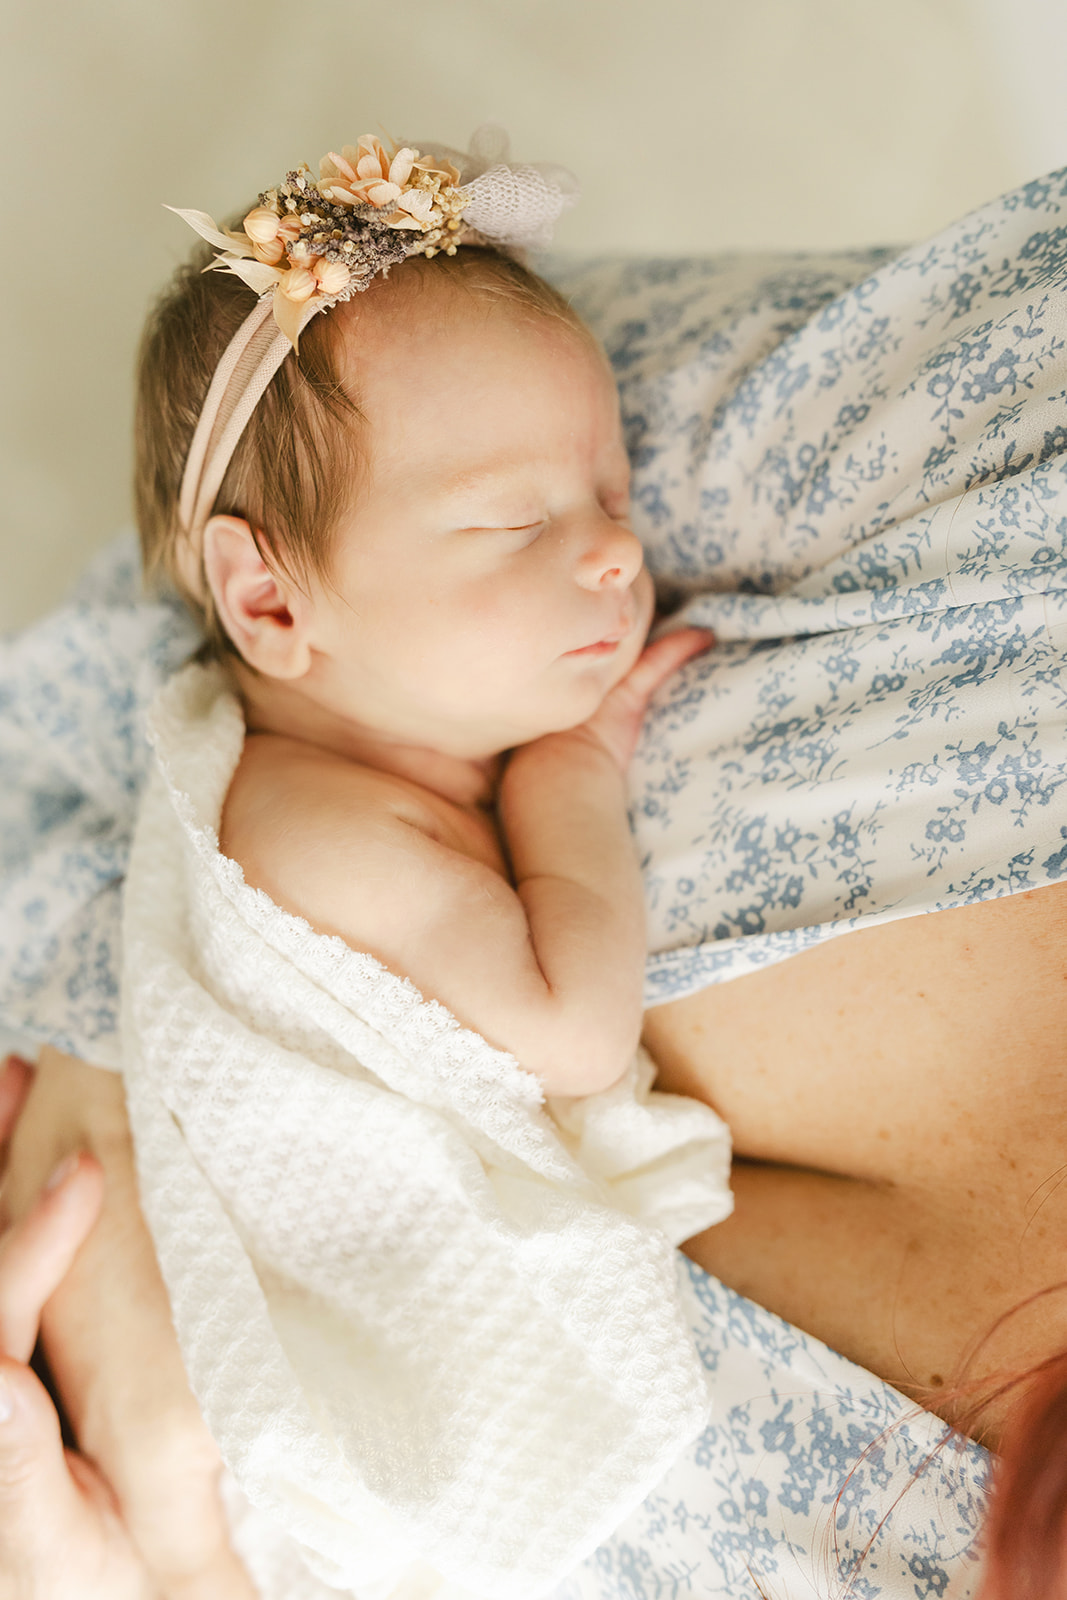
[
  {"x": 61, "y": 1173},
  {"x": 7, "y": 1400}
]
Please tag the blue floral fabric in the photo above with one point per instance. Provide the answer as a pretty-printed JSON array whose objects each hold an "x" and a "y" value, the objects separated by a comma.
[
  {"x": 74, "y": 693},
  {"x": 854, "y": 471},
  {"x": 813, "y": 1481}
]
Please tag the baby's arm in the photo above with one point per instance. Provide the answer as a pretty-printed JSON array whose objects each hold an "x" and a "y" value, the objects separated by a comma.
[
  {"x": 563, "y": 811},
  {"x": 550, "y": 969}
]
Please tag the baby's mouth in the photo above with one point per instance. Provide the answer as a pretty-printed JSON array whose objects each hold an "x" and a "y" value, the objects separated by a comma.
[
  {"x": 610, "y": 641},
  {"x": 603, "y": 647}
]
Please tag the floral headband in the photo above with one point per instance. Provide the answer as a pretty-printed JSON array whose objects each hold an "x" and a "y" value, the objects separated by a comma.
[{"x": 313, "y": 243}]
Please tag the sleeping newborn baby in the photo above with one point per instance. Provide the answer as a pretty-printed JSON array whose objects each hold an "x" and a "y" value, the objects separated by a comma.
[{"x": 384, "y": 898}]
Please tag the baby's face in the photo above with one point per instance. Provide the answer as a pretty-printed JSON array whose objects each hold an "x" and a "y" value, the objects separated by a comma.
[{"x": 486, "y": 587}]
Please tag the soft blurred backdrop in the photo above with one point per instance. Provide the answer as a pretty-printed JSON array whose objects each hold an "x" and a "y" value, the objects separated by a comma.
[{"x": 696, "y": 126}]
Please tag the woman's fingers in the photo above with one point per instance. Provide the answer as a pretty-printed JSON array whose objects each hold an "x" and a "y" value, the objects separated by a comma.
[
  {"x": 59, "y": 1533},
  {"x": 36, "y": 1254},
  {"x": 36, "y": 1492}
]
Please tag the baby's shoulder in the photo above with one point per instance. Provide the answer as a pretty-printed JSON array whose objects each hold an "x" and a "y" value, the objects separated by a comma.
[
  {"x": 293, "y": 797},
  {"x": 364, "y": 854}
]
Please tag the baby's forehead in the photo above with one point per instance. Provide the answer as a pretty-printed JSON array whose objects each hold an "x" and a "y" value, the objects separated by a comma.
[
  {"x": 520, "y": 416},
  {"x": 429, "y": 301},
  {"x": 449, "y": 372}
]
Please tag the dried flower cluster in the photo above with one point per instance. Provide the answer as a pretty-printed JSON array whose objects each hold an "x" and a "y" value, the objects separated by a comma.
[{"x": 314, "y": 243}]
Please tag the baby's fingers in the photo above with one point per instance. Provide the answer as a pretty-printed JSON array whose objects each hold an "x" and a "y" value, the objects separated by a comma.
[
  {"x": 657, "y": 661},
  {"x": 36, "y": 1254}
]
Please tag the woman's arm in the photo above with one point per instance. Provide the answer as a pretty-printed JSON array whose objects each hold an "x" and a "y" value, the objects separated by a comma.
[
  {"x": 111, "y": 1347},
  {"x": 59, "y": 1534}
]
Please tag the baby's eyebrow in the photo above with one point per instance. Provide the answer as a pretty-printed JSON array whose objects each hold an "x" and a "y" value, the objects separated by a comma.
[
  {"x": 487, "y": 493},
  {"x": 485, "y": 480}
]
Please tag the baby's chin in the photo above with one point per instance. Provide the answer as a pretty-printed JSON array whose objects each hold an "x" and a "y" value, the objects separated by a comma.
[
  {"x": 596, "y": 681},
  {"x": 581, "y": 688},
  {"x": 584, "y": 701}
]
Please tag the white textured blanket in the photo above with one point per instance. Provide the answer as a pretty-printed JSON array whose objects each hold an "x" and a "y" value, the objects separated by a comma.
[{"x": 432, "y": 1324}]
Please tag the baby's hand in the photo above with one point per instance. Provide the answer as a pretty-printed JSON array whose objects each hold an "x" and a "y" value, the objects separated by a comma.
[{"x": 616, "y": 724}]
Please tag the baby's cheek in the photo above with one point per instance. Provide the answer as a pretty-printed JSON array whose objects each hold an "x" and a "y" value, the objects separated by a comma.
[
  {"x": 645, "y": 594},
  {"x": 629, "y": 653}
]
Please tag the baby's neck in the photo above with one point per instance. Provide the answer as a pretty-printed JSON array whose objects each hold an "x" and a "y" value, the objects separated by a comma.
[{"x": 272, "y": 707}]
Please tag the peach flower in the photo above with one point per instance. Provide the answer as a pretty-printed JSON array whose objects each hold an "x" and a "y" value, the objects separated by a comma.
[
  {"x": 367, "y": 172},
  {"x": 270, "y": 233}
]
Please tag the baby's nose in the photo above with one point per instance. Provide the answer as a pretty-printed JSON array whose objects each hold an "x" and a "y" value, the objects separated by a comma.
[{"x": 613, "y": 556}]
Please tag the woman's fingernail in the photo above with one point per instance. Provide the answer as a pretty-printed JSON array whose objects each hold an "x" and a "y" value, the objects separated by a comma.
[
  {"x": 7, "y": 1403},
  {"x": 61, "y": 1173}
]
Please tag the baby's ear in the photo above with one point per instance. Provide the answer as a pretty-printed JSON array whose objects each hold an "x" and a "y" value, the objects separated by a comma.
[{"x": 264, "y": 613}]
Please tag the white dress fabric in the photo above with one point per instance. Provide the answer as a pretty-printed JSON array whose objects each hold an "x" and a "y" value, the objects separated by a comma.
[
  {"x": 854, "y": 468},
  {"x": 427, "y": 1321}
]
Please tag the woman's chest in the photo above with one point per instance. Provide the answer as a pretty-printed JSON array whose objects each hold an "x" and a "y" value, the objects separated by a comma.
[
  {"x": 898, "y": 1100},
  {"x": 914, "y": 1052}
]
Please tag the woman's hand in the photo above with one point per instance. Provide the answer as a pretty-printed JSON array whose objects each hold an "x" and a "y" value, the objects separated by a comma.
[
  {"x": 111, "y": 1347},
  {"x": 616, "y": 723},
  {"x": 60, "y": 1534}
]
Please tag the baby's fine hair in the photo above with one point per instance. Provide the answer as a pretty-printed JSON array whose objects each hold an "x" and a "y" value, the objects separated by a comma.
[{"x": 293, "y": 474}]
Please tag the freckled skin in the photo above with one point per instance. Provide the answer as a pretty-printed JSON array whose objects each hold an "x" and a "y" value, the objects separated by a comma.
[{"x": 895, "y": 1153}]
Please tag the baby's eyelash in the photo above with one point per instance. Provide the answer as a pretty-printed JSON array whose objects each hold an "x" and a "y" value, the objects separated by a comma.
[{"x": 503, "y": 527}]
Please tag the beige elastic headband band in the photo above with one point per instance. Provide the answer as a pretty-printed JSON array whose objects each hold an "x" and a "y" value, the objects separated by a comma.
[{"x": 252, "y": 357}]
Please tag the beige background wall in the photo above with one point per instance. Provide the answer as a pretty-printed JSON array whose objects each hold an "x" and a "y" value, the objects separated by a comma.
[{"x": 695, "y": 125}]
